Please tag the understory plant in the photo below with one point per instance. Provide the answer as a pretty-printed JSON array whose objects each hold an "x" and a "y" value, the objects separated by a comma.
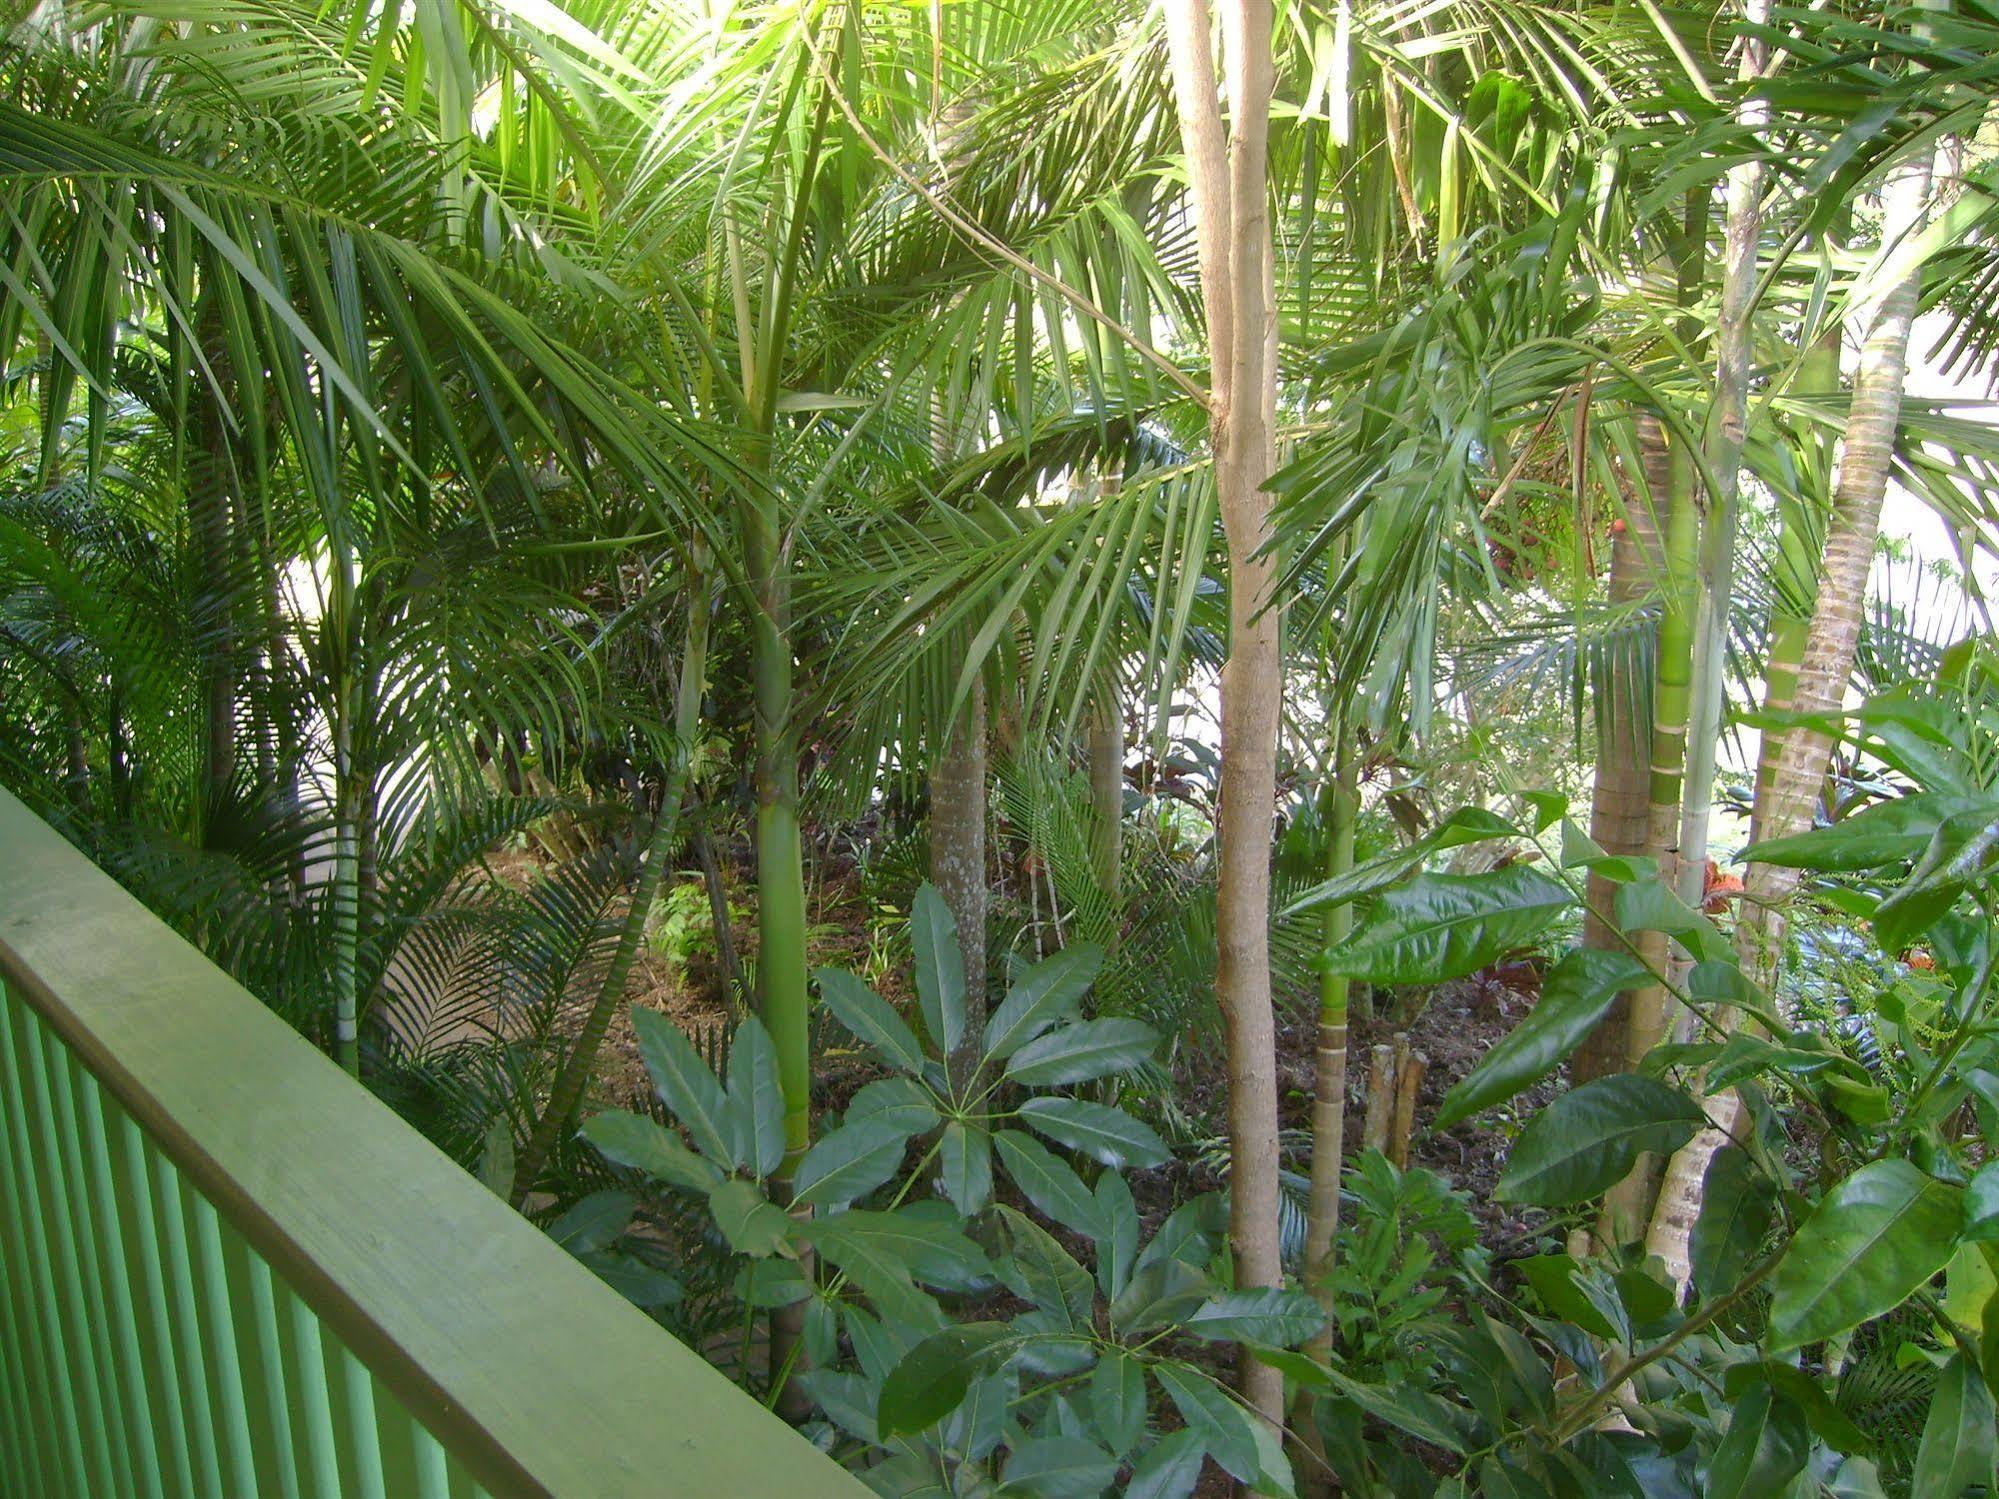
[{"x": 984, "y": 1307}]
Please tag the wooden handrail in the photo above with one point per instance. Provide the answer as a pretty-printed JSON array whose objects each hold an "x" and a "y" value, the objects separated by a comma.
[{"x": 534, "y": 1375}]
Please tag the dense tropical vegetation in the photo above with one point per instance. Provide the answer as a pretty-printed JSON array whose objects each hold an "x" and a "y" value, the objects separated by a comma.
[{"x": 881, "y": 658}]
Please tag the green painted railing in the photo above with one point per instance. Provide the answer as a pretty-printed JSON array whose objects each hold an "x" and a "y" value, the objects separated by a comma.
[{"x": 227, "y": 1270}]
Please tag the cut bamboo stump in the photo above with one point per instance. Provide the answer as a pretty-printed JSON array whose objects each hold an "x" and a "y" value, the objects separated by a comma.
[
  {"x": 1408, "y": 1078},
  {"x": 1380, "y": 1099}
]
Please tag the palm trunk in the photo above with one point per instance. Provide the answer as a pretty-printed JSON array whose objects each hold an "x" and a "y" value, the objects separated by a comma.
[
  {"x": 208, "y": 507},
  {"x": 1228, "y": 182},
  {"x": 1787, "y": 797},
  {"x": 578, "y": 1065},
  {"x": 1620, "y": 807},
  {"x": 349, "y": 796},
  {"x": 1329, "y": 1096},
  {"x": 958, "y": 853}
]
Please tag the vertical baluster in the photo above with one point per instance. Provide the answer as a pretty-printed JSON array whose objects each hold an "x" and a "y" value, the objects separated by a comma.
[
  {"x": 25, "y": 1432},
  {"x": 271, "y": 1354},
  {"x": 27, "y": 1366},
  {"x": 172, "y": 1401},
  {"x": 18, "y": 1039},
  {"x": 433, "y": 1465},
  {"x": 320, "y": 1442},
  {"x": 363, "y": 1442},
  {"x": 66, "y": 1075},
  {"x": 144, "y": 1454},
  {"x": 80, "y": 1341},
  {"x": 227, "y": 1361},
  {"x": 187, "y": 1324}
]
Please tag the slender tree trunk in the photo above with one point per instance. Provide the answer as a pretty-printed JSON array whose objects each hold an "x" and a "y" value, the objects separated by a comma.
[
  {"x": 577, "y": 1067},
  {"x": 1228, "y": 181},
  {"x": 726, "y": 957},
  {"x": 1620, "y": 806},
  {"x": 958, "y": 852}
]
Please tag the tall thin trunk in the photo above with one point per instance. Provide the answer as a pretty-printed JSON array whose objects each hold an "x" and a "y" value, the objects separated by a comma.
[
  {"x": 567, "y": 1092},
  {"x": 1228, "y": 182},
  {"x": 349, "y": 796},
  {"x": 1620, "y": 806},
  {"x": 958, "y": 851},
  {"x": 1329, "y": 1095}
]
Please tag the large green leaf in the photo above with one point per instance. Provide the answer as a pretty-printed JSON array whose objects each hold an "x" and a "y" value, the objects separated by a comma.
[
  {"x": 686, "y": 1086},
  {"x": 633, "y": 1140},
  {"x": 1574, "y": 996},
  {"x": 851, "y": 1161},
  {"x": 1963, "y": 850},
  {"x": 1764, "y": 1448},
  {"x": 1957, "y": 1446},
  {"x": 932, "y": 1378},
  {"x": 940, "y": 968},
  {"x": 1589, "y": 1138},
  {"x": 1888, "y": 832},
  {"x": 1212, "y": 1414},
  {"x": 901, "y": 1100},
  {"x": 1171, "y": 1469},
  {"x": 1117, "y": 1399},
  {"x": 1049, "y": 1183},
  {"x": 1653, "y": 906},
  {"x": 871, "y": 1018},
  {"x": 1046, "y": 993},
  {"x": 1738, "y": 1204},
  {"x": 1443, "y": 926},
  {"x": 751, "y": 1223},
  {"x": 1466, "y": 825},
  {"x": 1271, "y": 1315},
  {"x": 1097, "y": 1130},
  {"x": 756, "y": 1100},
  {"x": 965, "y": 1156},
  {"x": 1082, "y": 1052},
  {"x": 1059, "y": 1468},
  {"x": 1875, "y": 1238},
  {"x": 1981, "y": 1205}
]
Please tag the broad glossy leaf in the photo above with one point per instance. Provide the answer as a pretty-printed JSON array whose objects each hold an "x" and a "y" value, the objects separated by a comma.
[
  {"x": 871, "y": 1018},
  {"x": 1047, "y": 992},
  {"x": 1574, "y": 996},
  {"x": 751, "y": 1223},
  {"x": 1981, "y": 1205},
  {"x": 1117, "y": 1399},
  {"x": 1738, "y": 1204},
  {"x": 633, "y": 1140},
  {"x": 686, "y": 1086},
  {"x": 1764, "y": 1448},
  {"x": 1117, "y": 1242},
  {"x": 1888, "y": 832},
  {"x": 1876, "y": 1236},
  {"x": 1212, "y": 1413},
  {"x": 852, "y": 1161},
  {"x": 1957, "y": 1445},
  {"x": 1443, "y": 926},
  {"x": 1082, "y": 1052},
  {"x": 932, "y": 1378},
  {"x": 1464, "y": 826},
  {"x": 1964, "y": 849},
  {"x": 756, "y": 1100},
  {"x": 1059, "y": 1468},
  {"x": 1049, "y": 1182},
  {"x": 1097, "y": 1130},
  {"x": 1171, "y": 1469},
  {"x": 1803, "y": 1391},
  {"x": 594, "y": 1222},
  {"x": 1856, "y": 1478},
  {"x": 1037, "y": 1267},
  {"x": 1651, "y": 906},
  {"x": 965, "y": 1155},
  {"x": 940, "y": 968},
  {"x": 1422, "y": 1415},
  {"x": 1589, "y": 1138},
  {"x": 876, "y": 1264},
  {"x": 900, "y": 1100},
  {"x": 1272, "y": 1315}
]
